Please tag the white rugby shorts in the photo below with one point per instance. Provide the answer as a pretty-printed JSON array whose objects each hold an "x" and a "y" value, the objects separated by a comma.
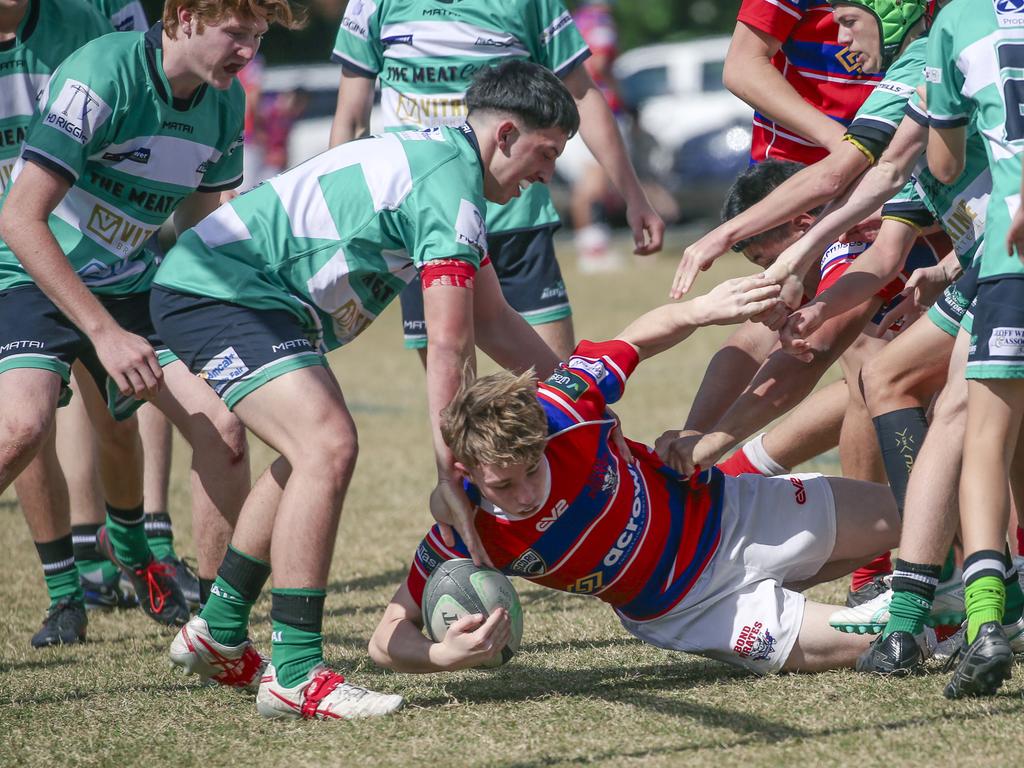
[{"x": 775, "y": 530}]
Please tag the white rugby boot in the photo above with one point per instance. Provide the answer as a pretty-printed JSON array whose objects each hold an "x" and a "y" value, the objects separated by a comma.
[
  {"x": 236, "y": 666},
  {"x": 871, "y": 617},
  {"x": 323, "y": 695}
]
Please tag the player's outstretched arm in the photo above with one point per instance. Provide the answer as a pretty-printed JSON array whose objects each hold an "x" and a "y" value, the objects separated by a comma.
[
  {"x": 601, "y": 135},
  {"x": 865, "y": 196},
  {"x": 398, "y": 642},
  {"x": 869, "y": 274},
  {"x": 804, "y": 191},
  {"x": 129, "y": 359},
  {"x": 731, "y": 302},
  {"x": 947, "y": 152},
  {"x": 352, "y": 113}
]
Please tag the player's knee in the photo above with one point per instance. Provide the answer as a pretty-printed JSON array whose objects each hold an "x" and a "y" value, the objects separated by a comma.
[
  {"x": 879, "y": 381},
  {"x": 21, "y": 434},
  {"x": 951, "y": 404}
]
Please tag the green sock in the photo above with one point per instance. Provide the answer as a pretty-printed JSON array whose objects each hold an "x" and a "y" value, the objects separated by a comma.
[
  {"x": 984, "y": 597},
  {"x": 58, "y": 560},
  {"x": 907, "y": 613},
  {"x": 239, "y": 581},
  {"x": 91, "y": 565},
  {"x": 160, "y": 535},
  {"x": 227, "y": 613},
  {"x": 948, "y": 567},
  {"x": 127, "y": 536},
  {"x": 297, "y": 642}
]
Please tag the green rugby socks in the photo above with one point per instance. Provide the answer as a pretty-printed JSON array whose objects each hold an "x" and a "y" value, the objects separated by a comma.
[
  {"x": 984, "y": 590},
  {"x": 913, "y": 586},
  {"x": 92, "y": 566},
  {"x": 298, "y": 617},
  {"x": 239, "y": 581},
  {"x": 160, "y": 535},
  {"x": 58, "y": 559},
  {"x": 127, "y": 534}
]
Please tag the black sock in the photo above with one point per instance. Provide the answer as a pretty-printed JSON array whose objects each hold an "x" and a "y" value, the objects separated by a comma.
[{"x": 900, "y": 435}]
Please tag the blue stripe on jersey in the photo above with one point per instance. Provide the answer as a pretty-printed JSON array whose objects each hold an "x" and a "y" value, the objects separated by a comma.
[
  {"x": 822, "y": 58},
  {"x": 557, "y": 418},
  {"x": 625, "y": 547},
  {"x": 565, "y": 532},
  {"x": 655, "y": 599}
]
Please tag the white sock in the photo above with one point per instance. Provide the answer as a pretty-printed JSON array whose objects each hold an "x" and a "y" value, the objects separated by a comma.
[{"x": 757, "y": 455}]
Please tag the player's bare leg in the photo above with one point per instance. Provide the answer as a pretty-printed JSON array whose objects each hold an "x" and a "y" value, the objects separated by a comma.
[
  {"x": 28, "y": 453},
  {"x": 220, "y": 478},
  {"x": 558, "y": 335},
  {"x": 819, "y": 647}
]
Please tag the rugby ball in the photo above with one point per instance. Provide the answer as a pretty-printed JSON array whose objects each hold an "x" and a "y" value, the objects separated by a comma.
[{"x": 459, "y": 588}]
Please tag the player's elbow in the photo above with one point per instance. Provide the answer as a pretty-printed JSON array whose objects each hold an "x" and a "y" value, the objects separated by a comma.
[
  {"x": 946, "y": 170},
  {"x": 736, "y": 74},
  {"x": 377, "y": 648}
]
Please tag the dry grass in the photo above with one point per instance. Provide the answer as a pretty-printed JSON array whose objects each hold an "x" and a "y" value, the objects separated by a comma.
[{"x": 582, "y": 692}]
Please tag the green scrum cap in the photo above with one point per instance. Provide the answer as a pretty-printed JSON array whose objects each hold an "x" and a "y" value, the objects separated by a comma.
[{"x": 895, "y": 18}]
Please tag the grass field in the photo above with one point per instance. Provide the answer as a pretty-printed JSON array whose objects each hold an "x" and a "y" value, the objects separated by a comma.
[{"x": 581, "y": 692}]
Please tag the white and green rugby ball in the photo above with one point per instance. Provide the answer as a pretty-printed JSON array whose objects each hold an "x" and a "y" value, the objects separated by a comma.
[{"x": 459, "y": 588}]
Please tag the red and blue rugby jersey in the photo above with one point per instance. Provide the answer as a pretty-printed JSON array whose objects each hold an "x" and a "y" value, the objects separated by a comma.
[
  {"x": 814, "y": 63},
  {"x": 635, "y": 535}
]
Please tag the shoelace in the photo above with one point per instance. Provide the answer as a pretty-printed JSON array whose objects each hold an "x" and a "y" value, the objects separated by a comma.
[
  {"x": 320, "y": 687},
  {"x": 157, "y": 593},
  {"x": 238, "y": 673}
]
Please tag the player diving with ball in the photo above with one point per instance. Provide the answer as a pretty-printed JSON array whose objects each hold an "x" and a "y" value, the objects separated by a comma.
[{"x": 711, "y": 565}]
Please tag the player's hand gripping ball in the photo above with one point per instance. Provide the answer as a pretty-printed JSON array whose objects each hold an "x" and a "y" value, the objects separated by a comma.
[{"x": 459, "y": 588}]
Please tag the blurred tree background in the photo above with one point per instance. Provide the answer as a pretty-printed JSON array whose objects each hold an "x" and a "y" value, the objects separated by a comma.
[{"x": 640, "y": 22}]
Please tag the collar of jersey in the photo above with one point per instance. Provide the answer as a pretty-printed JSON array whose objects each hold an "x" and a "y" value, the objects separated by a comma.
[
  {"x": 154, "y": 46},
  {"x": 467, "y": 130}
]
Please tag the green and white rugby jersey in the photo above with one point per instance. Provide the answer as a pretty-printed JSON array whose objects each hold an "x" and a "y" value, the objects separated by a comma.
[
  {"x": 875, "y": 123},
  {"x": 426, "y": 52},
  {"x": 124, "y": 15},
  {"x": 131, "y": 152},
  {"x": 959, "y": 208},
  {"x": 336, "y": 238},
  {"x": 50, "y": 31},
  {"x": 975, "y": 71}
]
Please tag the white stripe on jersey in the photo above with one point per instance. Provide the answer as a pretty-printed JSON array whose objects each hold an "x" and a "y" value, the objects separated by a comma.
[
  {"x": 18, "y": 101},
  {"x": 447, "y": 39},
  {"x": 221, "y": 227},
  {"x": 166, "y": 159},
  {"x": 784, "y": 7}
]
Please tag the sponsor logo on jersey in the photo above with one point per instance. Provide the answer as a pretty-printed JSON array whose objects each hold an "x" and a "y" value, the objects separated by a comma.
[
  {"x": 529, "y": 564},
  {"x": 12, "y": 137},
  {"x": 800, "y": 491},
  {"x": 602, "y": 478},
  {"x": 140, "y": 155},
  {"x": 224, "y": 368},
  {"x": 1006, "y": 342},
  {"x": 595, "y": 368},
  {"x": 428, "y": 556},
  {"x": 203, "y": 167},
  {"x": 349, "y": 320},
  {"x": 113, "y": 229},
  {"x": 932, "y": 75},
  {"x": 172, "y": 125},
  {"x": 848, "y": 60},
  {"x": 470, "y": 228},
  {"x": 637, "y": 520},
  {"x": 556, "y": 512},
  {"x": 387, "y": 42},
  {"x": 896, "y": 88},
  {"x": 588, "y": 584},
  {"x": 755, "y": 643},
  {"x": 555, "y": 27},
  {"x": 293, "y": 344},
  {"x": 357, "y": 18},
  {"x": 555, "y": 291},
  {"x": 6, "y": 172},
  {"x": 77, "y": 111},
  {"x": 490, "y": 42},
  {"x": 567, "y": 383},
  {"x": 1010, "y": 13},
  {"x": 23, "y": 344},
  {"x": 424, "y": 109}
]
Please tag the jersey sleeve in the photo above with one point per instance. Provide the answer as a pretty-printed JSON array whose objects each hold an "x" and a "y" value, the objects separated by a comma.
[
  {"x": 774, "y": 17},
  {"x": 879, "y": 116},
  {"x": 560, "y": 46},
  {"x": 906, "y": 206},
  {"x": 944, "y": 82},
  {"x": 446, "y": 226},
  {"x": 358, "y": 46},
  {"x": 81, "y": 103},
  {"x": 594, "y": 376},
  {"x": 226, "y": 172},
  {"x": 431, "y": 552}
]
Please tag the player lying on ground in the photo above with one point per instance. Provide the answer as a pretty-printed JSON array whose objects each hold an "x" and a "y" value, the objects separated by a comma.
[
  {"x": 711, "y": 566},
  {"x": 252, "y": 297}
]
